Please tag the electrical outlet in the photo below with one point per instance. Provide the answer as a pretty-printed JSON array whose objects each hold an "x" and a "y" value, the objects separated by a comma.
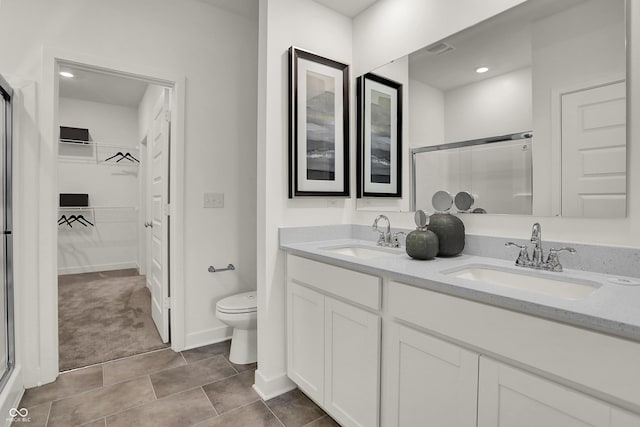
[{"x": 213, "y": 200}]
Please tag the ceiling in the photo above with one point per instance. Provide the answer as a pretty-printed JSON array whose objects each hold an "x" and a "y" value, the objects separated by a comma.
[
  {"x": 350, "y": 8},
  {"x": 101, "y": 87},
  {"x": 502, "y": 43}
]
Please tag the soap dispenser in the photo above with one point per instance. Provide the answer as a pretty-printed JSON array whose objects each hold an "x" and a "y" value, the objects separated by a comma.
[{"x": 422, "y": 243}]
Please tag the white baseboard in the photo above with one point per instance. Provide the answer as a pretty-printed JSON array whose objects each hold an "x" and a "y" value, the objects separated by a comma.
[
  {"x": 268, "y": 388},
  {"x": 97, "y": 267},
  {"x": 206, "y": 337}
]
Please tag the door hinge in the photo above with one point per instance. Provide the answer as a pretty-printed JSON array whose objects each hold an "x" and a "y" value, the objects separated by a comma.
[
  {"x": 167, "y": 116},
  {"x": 167, "y": 302},
  {"x": 167, "y": 210}
]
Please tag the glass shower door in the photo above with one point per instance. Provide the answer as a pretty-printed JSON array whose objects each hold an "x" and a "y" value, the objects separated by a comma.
[{"x": 6, "y": 272}]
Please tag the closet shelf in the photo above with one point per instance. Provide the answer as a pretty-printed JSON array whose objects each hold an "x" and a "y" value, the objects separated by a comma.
[
  {"x": 98, "y": 153},
  {"x": 87, "y": 208},
  {"x": 98, "y": 144}
]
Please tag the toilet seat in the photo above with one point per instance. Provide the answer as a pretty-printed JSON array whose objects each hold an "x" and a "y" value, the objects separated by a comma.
[{"x": 237, "y": 304}]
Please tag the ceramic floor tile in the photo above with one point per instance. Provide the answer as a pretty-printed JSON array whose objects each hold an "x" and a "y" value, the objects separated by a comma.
[
  {"x": 67, "y": 384},
  {"x": 182, "y": 409},
  {"x": 150, "y": 363},
  {"x": 253, "y": 415},
  {"x": 36, "y": 416},
  {"x": 325, "y": 421},
  {"x": 295, "y": 409},
  {"x": 242, "y": 368},
  {"x": 96, "y": 404},
  {"x": 191, "y": 375},
  {"x": 200, "y": 353},
  {"x": 233, "y": 392}
]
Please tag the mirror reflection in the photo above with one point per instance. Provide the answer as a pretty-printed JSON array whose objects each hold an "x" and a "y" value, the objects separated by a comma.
[{"x": 552, "y": 69}]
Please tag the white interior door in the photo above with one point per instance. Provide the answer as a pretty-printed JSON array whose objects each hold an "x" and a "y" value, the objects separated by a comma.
[
  {"x": 594, "y": 152},
  {"x": 159, "y": 190}
]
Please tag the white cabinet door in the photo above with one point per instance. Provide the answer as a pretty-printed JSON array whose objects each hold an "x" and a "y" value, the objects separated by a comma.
[
  {"x": 430, "y": 382},
  {"x": 305, "y": 340},
  {"x": 352, "y": 364},
  {"x": 510, "y": 397}
]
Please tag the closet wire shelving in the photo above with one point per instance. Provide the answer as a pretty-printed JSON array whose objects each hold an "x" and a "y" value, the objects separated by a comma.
[
  {"x": 89, "y": 214},
  {"x": 70, "y": 151}
]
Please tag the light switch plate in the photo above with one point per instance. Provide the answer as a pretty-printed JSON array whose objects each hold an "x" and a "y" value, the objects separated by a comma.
[{"x": 213, "y": 200}]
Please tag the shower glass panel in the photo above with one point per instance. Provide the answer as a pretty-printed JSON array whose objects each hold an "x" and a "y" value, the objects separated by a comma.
[{"x": 6, "y": 264}]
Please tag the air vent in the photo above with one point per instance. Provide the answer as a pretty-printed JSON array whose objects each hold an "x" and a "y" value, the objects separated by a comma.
[{"x": 439, "y": 48}]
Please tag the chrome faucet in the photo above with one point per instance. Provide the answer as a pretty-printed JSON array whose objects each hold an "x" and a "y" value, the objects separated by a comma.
[
  {"x": 386, "y": 238},
  {"x": 536, "y": 238},
  {"x": 537, "y": 261}
]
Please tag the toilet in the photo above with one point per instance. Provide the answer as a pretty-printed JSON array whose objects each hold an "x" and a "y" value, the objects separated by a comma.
[{"x": 241, "y": 313}]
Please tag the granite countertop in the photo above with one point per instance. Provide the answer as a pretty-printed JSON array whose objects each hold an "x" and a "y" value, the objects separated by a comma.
[{"x": 612, "y": 308}]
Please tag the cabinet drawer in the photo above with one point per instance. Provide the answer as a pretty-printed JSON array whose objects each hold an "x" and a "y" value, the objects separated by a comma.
[
  {"x": 356, "y": 287},
  {"x": 600, "y": 362}
]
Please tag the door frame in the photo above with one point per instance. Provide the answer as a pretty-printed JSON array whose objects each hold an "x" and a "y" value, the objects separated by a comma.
[
  {"x": 48, "y": 197},
  {"x": 556, "y": 133}
]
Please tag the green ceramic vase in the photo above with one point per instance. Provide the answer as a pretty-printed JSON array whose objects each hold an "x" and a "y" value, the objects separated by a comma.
[{"x": 422, "y": 243}]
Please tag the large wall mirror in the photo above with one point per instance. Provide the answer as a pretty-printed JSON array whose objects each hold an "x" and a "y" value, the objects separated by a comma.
[{"x": 525, "y": 111}]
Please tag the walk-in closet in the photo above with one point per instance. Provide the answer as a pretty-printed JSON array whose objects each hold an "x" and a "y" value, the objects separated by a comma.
[{"x": 106, "y": 241}]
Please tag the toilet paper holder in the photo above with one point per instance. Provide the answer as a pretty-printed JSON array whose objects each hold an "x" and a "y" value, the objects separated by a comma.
[{"x": 212, "y": 269}]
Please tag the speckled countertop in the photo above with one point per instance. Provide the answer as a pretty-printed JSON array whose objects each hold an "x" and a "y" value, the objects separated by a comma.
[{"x": 612, "y": 308}]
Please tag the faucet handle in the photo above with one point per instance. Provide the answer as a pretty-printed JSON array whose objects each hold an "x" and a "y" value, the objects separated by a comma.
[
  {"x": 515, "y": 244},
  {"x": 553, "y": 262},
  {"x": 395, "y": 239},
  {"x": 555, "y": 251},
  {"x": 523, "y": 256}
]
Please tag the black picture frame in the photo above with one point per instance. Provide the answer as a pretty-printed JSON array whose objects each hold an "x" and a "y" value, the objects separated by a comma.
[
  {"x": 318, "y": 130},
  {"x": 379, "y": 170}
]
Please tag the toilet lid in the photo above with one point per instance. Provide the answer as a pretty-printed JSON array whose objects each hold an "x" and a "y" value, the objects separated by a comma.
[{"x": 240, "y": 303}]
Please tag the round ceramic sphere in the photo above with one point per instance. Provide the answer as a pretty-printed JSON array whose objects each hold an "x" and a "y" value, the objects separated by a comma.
[
  {"x": 422, "y": 244},
  {"x": 450, "y": 231},
  {"x": 442, "y": 201}
]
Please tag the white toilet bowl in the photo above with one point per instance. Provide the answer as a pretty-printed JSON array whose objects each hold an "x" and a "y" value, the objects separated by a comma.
[{"x": 240, "y": 312}]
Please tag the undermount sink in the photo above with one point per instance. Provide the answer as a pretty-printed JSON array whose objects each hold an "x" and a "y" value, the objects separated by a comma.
[
  {"x": 560, "y": 287},
  {"x": 362, "y": 252}
]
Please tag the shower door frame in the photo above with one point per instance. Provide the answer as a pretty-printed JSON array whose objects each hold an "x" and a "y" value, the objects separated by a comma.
[{"x": 7, "y": 94}]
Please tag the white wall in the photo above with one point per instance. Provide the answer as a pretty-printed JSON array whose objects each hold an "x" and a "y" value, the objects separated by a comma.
[
  {"x": 113, "y": 243},
  {"x": 490, "y": 107},
  {"x": 308, "y": 25},
  {"x": 217, "y": 53},
  {"x": 390, "y": 29},
  {"x": 590, "y": 52}
]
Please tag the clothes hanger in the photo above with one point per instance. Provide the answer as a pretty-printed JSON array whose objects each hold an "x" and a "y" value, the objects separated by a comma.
[
  {"x": 84, "y": 220},
  {"x": 130, "y": 157},
  {"x": 63, "y": 219},
  {"x": 119, "y": 153}
]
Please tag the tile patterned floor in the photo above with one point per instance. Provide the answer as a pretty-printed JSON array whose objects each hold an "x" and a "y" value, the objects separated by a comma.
[{"x": 198, "y": 387}]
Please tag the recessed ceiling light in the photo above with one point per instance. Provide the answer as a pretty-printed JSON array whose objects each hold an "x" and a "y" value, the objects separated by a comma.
[
  {"x": 481, "y": 70},
  {"x": 66, "y": 74}
]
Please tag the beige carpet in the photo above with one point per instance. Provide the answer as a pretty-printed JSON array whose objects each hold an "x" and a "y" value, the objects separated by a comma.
[{"x": 104, "y": 316}]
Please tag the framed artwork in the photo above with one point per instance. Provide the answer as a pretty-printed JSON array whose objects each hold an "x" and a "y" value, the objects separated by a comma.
[
  {"x": 379, "y": 137},
  {"x": 318, "y": 125}
]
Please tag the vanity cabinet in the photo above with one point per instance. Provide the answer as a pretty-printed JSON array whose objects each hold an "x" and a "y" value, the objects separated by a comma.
[
  {"x": 430, "y": 381},
  {"x": 428, "y": 358},
  {"x": 512, "y": 397},
  {"x": 333, "y": 346}
]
